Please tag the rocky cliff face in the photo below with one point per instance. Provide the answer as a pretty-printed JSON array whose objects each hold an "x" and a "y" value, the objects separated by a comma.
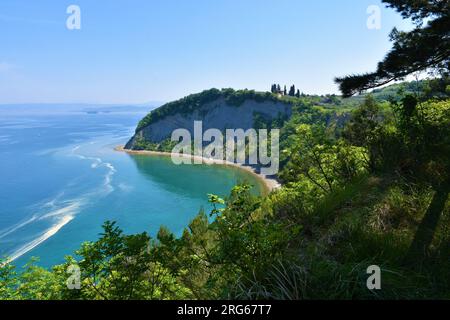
[{"x": 215, "y": 114}]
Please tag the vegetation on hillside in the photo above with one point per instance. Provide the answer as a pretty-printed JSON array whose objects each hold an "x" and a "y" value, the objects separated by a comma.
[
  {"x": 425, "y": 48},
  {"x": 329, "y": 108},
  {"x": 193, "y": 102},
  {"x": 371, "y": 190}
]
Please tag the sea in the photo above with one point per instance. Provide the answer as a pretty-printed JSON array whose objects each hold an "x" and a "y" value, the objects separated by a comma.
[{"x": 61, "y": 179}]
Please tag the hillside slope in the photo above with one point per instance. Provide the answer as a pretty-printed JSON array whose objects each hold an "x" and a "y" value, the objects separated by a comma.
[
  {"x": 244, "y": 109},
  {"x": 220, "y": 109}
]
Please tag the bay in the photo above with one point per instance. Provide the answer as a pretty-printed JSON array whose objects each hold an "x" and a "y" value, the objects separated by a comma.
[{"x": 60, "y": 180}]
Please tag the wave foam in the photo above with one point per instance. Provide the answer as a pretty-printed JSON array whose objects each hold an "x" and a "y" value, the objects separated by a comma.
[
  {"x": 97, "y": 163},
  {"x": 16, "y": 227},
  {"x": 60, "y": 211},
  {"x": 47, "y": 234}
]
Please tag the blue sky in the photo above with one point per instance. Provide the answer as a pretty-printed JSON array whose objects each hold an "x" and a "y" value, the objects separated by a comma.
[{"x": 145, "y": 50}]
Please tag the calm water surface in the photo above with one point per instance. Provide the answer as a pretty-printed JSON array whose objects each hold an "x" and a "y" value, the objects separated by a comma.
[{"x": 60, "y": 179}]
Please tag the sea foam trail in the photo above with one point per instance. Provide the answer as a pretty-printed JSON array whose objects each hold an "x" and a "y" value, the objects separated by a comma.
[
  {"x": 97, "y": 163},
  {"x": 68, "y": 210},
  {"x": 34, "y": 217},
  {"x": 18, "y": 226},
  {"x": 63, "y": 215},
  {"x": 4, "y": 138},
  {"x": 49, "y": 233}
]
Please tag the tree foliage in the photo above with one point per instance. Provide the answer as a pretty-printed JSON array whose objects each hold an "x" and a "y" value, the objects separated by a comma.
[{"x": 424, "y": 48}]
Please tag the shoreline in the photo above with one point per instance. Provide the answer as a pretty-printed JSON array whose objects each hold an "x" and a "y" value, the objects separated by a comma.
[{"x": 268, "y": 184}]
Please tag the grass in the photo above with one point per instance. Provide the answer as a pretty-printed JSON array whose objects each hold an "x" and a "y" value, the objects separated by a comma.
[{"x": 370, "y": 222}]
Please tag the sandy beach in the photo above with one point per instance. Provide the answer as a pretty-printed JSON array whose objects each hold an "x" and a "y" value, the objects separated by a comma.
[{"x": 269, "y": 184}]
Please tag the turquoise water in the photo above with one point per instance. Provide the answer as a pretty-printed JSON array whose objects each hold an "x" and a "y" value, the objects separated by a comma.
[{"x": 60, "y": 179}]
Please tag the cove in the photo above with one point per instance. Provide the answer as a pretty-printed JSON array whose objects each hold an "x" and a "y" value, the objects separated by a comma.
[{"x": 63, "y": 180}]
